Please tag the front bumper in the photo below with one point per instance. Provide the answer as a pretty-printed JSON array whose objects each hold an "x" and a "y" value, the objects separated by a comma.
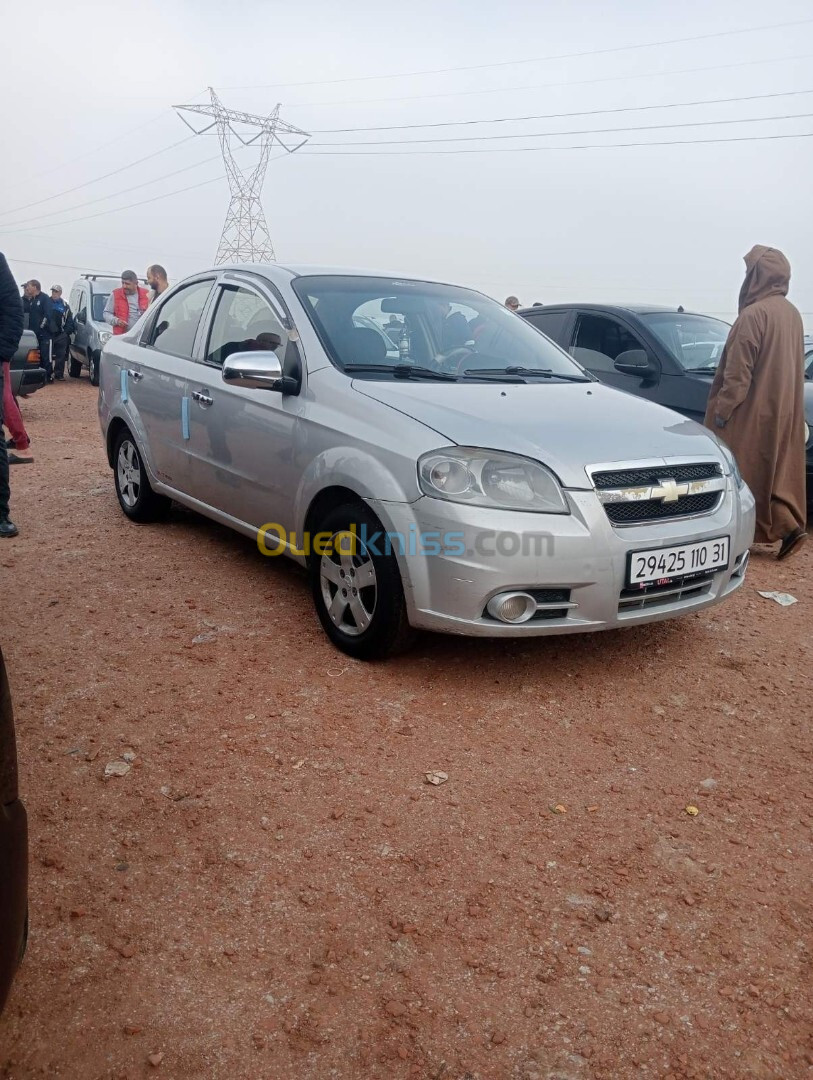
[{"x": 580, "y": 552}]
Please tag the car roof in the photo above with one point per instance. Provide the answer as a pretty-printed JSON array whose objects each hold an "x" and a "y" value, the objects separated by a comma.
[
  {"x": 295, "y": 270},
  {"x": 620, "y": 309}
]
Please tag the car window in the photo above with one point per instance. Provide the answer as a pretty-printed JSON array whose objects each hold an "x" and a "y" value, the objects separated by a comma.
[
  {"x": 243, "y": 322},
  {"x": 372, "y": 327},
  {"x": 552, "y": 323},
  {"x": 99, "y": 303},
  {"x": 74, "y": 300},
  {"x": 600, "y": 339},
  {"x": 176, "y": 324},
  {"x": 82, "y": 304},
  {"x": 695, "y": 341}
]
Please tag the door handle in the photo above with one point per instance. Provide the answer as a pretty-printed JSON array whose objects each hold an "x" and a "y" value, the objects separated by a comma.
[
  {"x": 136, "y": 376},
  {"x": 202, "y": 399}
]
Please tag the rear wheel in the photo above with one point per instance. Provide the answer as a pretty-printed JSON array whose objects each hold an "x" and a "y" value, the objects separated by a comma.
[
  {"x": 357, "y": 589},
  {"x": 93, "y": 368},
  {"x": 136, "y": 496}
]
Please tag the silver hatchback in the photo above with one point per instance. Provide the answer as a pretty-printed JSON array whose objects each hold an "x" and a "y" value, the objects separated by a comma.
[{"x": 432, "y": 459}]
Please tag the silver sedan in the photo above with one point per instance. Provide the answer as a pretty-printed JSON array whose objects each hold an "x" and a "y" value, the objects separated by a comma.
[{"x": 433, "y": 460}]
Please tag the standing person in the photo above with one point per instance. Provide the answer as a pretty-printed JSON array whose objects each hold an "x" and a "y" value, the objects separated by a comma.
[
  {"x": 64, "y": 327},
  {"x": 157, "y": 280},
  {"x": 756, "y": 402},
  {"x": 126, "y": 305},
  {"x": 512, "y": 303},
  {"x": 11, "y": 330},
  {"x": 41, "y": 319}
]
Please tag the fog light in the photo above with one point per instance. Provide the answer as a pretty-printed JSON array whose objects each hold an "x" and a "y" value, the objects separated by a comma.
[{"x": 512, "y": 607}]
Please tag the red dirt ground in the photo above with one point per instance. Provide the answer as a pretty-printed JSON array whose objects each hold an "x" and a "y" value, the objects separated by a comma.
[{"x": 274, "y": 891}]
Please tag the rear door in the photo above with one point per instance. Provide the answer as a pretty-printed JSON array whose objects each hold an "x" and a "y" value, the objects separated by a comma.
[
  {"x": 241, "y": 441},
  {"x": 154, "y": 374}
]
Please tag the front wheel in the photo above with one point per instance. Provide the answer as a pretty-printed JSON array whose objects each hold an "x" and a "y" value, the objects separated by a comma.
[
  {"x": 136, "y": 496},
  {"x": 357, "y": 588},
  {"x": 93, "y": 368}
]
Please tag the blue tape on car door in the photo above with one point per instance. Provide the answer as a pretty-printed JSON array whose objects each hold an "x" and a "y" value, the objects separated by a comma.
[
  {"x": 124, "y": 384},
  {"x": 185, "y": 417}
]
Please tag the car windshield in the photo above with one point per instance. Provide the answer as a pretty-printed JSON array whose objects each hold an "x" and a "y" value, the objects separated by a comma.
[
  {"x": 380, "y": 328},
  {"x": 99, "y": 301},
  {"x": 695, "y": 341}
]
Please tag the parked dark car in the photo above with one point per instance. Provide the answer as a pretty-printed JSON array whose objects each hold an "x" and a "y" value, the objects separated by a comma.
[
  {"x": 662, "y": 354},
  {"x": 13, "y": 849},
  {"x": 26, "y": 373}
]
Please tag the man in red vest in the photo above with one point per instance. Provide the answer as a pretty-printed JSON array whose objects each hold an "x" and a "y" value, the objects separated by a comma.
[{"x": 126, "y": 305}]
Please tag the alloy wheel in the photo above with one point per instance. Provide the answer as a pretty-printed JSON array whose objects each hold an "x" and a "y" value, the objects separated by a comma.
[{"x": 348, "y": 583}]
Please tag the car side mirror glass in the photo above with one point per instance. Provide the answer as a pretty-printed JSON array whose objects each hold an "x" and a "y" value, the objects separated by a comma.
[
  {"x": 636, "y": 362},
  {"x": 258, "y": 370},
  {"x": 81, "y": 318}
]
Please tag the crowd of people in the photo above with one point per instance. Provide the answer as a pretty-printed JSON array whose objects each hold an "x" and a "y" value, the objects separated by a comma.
[
  {"x": 52, "y": 322},
  {"x": 756, "y": 404}
]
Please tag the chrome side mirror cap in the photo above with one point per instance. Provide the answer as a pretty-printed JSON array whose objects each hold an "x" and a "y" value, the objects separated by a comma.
[{"x": 255, "y": 370}]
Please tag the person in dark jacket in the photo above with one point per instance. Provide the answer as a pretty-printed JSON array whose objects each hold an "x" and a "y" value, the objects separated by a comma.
[
  {"x": 11, "y": 330},
  {"x": 64, "y": 327},
  {"x": 42, "y": 320}
]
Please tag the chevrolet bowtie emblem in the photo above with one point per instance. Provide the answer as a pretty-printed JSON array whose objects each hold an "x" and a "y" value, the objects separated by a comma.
[{"x": 669, "y": 491}]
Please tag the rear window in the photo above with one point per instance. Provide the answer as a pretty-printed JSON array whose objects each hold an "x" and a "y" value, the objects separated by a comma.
[{"x": 552, "y": 323}]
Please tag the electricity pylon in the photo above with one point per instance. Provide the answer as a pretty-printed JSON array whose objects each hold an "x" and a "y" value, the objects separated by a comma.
[{"x": 245, "y": 236}]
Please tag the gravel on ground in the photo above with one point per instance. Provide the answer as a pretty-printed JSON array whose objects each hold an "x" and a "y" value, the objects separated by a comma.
[{"x": 239, "y": 869}]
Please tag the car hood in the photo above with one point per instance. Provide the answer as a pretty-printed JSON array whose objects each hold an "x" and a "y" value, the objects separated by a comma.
[{"x": 564, "y": 425}]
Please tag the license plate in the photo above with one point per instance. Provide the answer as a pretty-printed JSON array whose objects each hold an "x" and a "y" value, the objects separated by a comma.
[{"x": 663, "y": 564}]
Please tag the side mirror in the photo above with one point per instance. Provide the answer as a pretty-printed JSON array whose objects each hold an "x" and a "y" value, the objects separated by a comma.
[
  {"x": 636, "y": 362},
  {"x": 254, "y": 370},
  {"x": 81, "y": 318}
]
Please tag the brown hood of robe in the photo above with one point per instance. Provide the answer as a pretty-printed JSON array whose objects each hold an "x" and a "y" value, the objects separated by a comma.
[{"x": 767, "y": 273}]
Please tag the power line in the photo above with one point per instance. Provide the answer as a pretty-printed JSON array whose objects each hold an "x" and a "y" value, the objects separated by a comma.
[
  {"x": 529, "y": 60},
  {"x": 559, "y": 116},
  {"x": 551, "y": 85},
  {"x": 115, "y": 194},
  {"x": 581, "y": 131},
  {"x": 98, "y": 179},
  {"x": 129, "y": 206},
  {"x": 537, "y": 149}
]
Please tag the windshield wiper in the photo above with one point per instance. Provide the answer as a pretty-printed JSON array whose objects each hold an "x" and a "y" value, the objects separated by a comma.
[
  {"x": 544, "y": 373},
  {"x": 402, "y": 371}
]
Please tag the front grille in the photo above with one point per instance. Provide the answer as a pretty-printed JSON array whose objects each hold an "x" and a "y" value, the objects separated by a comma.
[
  {"x": 688, "y": 588},
  {"x": 681, "y": 474},
  {"x": 629, "y": 513}
]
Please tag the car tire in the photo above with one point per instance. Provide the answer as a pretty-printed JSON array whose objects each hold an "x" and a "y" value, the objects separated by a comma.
[
  {"x": 379, "y": 603},
  {"x": 74, "y": 368},
  {"x": 93, "y": 368},
  {"x": 135, "y": 494}
]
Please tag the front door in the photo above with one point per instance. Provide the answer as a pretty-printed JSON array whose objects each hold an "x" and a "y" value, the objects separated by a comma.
[
  {"x": 79, "y": 306},
  {"x": 241, "y": 441},
  {"x": 155, "y": 375},
  {"x": 599, "y": 340}
]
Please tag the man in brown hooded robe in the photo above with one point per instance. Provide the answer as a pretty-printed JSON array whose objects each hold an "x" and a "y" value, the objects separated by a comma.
[{"x": 756, "y": 402}]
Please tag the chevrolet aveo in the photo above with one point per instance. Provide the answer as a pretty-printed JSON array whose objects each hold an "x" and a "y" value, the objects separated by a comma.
[{"x": 432, "y": 459}]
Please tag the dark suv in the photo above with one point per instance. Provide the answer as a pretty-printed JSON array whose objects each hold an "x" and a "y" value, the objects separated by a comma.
[
  {"x": 13, "y": 849},
  {"x": 663, "y": 354}
]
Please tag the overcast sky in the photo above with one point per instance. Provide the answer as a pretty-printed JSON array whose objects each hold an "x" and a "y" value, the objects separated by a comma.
[{"x": 88, "y": 89}]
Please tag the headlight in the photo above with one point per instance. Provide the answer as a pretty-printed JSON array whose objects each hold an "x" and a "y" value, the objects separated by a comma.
[
  {"x": 807, "y": 433},
  {"x": 465, "y": 474},
  {"x": 104, "y": 335},
  {"x": 732, "y": 462}
]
